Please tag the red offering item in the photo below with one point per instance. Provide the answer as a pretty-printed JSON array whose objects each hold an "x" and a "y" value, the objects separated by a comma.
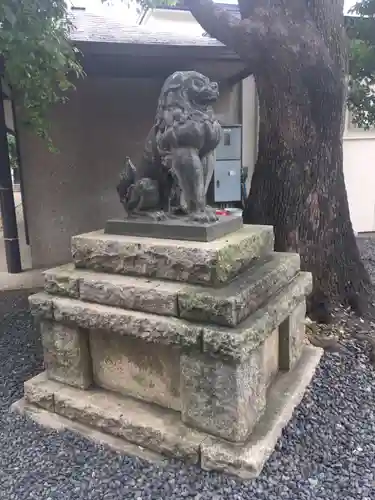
[{"x": 222, "y": 212}]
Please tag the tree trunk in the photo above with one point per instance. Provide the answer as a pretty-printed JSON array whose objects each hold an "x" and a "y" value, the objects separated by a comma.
[
  {"x": 298, "y": 54},
  {"x": 298, "y": 187}
]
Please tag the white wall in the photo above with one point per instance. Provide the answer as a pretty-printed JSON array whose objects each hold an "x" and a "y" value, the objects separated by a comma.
[{"x": 359, "y": 171}]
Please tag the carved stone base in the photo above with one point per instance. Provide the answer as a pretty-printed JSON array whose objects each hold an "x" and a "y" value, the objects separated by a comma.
[{"x": 205, "y": 365}]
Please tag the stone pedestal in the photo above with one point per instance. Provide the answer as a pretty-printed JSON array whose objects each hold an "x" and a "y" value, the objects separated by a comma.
[{"x": 191, "y": 349}]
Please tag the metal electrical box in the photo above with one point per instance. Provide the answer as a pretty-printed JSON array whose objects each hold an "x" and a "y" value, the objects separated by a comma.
[{"x": 227, "y": 179}]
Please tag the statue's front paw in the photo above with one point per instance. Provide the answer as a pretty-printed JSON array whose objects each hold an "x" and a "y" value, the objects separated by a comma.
[
  {"x": 204, "y": 217},
  {"x": 179, "y": 211}
]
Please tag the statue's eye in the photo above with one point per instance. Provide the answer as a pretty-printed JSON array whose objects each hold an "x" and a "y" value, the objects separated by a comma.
[{"x": 199, "y": 83}]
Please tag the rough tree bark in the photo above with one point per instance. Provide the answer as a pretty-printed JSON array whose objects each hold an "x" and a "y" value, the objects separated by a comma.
[{"x": 296, "y": 50}]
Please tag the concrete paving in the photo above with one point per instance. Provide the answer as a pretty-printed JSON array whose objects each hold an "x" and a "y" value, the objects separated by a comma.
[{"x": 27, "y": 280}]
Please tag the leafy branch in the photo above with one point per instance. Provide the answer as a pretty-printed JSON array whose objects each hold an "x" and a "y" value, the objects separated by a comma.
[{"x": 40, "y": 62}]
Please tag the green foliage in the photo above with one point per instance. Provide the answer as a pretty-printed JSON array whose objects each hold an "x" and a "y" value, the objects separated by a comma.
[
  {"x": 361, "y": 32},
  {"x": 39, "y": 60}
]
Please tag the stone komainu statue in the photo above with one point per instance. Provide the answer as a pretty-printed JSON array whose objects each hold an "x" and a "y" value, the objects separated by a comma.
[{"x": 179, "y": 155}]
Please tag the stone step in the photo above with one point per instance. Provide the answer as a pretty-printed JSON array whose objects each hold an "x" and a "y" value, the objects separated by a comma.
[
  {"x": 226, "y": 306},
  {"x": 125, "y": 292},
  {"x": 232, "y": 304},
  {"x": 141, "y": 423},
  {"x": 90, "y": 316},
  {"x": 212, "y": 263},
  {"x": 238, "y": 343},
  {"x": 234, "y": 342}
]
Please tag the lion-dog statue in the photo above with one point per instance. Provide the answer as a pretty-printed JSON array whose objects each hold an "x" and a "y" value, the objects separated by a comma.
[{"x": 179, "y": 155}]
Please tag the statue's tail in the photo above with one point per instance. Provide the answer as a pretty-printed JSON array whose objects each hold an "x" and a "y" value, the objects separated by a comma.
[
  {"x": 129, "y": 170},
  {"x": 127, "y": 178}
]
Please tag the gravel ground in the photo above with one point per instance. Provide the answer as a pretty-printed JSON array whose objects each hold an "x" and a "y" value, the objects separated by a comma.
[{"x": 326, "y": 452}]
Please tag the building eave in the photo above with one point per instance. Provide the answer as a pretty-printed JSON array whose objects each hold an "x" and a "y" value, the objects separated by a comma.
[{"x": 112, "y": 48}]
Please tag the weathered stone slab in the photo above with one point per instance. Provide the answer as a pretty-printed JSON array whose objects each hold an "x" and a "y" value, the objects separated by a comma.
[
  {"x": 62, "y": 280},
  {"x": 285, "y": 394},
  {"x": 212, "y": 263},
  {"x": 58, "y": 423},
  {"x": 227, "y": 306},
  {"x": 234, "y": 343},
  {"x": 222, "y": 398},
  {"x": 139, "y": 294},
  {"x": 270, "y": 358},
  {"x": 127, "y": 292},
  {"x": 66, "y": 354},
  {"x": 39, "y": 391},
  {"x": 230, "y": 305},
  {"x": 129, "y": 366},
  {"x": 141, "y": 423},
  {"x": 291, "y": 337},
  {"x": 238, "y": 343},
  {"x": 149, "y": 327},
  {"x": 174, "y": 229}
]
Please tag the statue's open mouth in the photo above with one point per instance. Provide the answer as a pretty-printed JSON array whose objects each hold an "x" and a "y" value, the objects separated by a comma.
[
  {"x": 206, "y": 97},
  {"x": 212, "y": 97}
]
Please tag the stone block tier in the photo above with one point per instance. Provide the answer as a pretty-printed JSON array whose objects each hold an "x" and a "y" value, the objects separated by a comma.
[{"x": 191, "y": 349}]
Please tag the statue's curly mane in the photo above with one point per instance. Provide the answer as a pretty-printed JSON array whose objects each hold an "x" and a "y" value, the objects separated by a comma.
[
  {"x": 184, "y": 118},
  {"x": 174, "y": 98}
]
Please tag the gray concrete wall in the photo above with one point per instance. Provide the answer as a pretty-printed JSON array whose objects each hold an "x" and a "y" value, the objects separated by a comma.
[{"x": 74, "y": 191}]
